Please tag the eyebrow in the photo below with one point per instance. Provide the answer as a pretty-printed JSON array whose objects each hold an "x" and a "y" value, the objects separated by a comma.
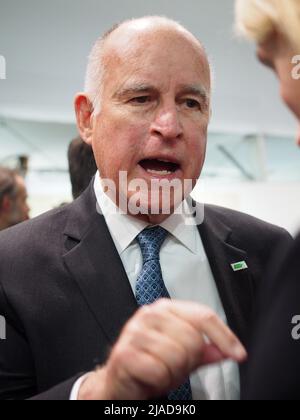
[{"x": 135, "y": 89}]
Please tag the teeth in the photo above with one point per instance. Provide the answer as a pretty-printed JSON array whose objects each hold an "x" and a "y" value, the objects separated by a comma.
[{"x": 153, "y": 172}]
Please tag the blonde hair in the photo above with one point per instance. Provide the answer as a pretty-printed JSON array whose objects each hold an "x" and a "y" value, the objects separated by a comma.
[{"x": 258, "y": 19}]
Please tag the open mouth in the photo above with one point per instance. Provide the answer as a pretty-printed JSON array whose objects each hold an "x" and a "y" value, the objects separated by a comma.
[{"x": 159, "y": 167}]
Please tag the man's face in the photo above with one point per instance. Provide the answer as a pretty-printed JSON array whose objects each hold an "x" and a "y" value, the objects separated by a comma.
[
  {"x": 19, "y": 211},
  {"x": 277, "y": 54},
  {"x": 155, "y": 108}
]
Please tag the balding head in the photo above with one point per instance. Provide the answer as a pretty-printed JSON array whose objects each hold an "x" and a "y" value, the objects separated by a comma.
[{"x": 129, "y": 38}]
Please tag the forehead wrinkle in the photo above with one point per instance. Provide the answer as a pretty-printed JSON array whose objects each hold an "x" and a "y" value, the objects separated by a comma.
[
  {"x": 116, "y": 58},
  {"x": 135, "y": 88},
  {"x": 133, "y": 84}
]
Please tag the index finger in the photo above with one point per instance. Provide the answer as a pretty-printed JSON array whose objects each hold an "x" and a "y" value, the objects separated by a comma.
[{"x": 207, "y": 322}]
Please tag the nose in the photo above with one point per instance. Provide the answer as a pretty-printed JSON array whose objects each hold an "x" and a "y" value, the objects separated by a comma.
[{"x": 167, "y": 124}]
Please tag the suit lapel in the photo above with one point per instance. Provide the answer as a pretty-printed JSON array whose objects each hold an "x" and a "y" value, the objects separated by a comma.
[
  {"x": 94, "y": 263},
  {"x": 235, "y": 288}
]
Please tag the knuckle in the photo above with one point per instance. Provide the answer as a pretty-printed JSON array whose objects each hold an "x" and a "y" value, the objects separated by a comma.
[
  {"x": 121, "y": 355},
  {"x": 144, "y": 314},
  {"x": 162, "y": 304},
  {"x": 132, "y": 329},
  {"x": 182, "y": 366},
  {"x": 149, "y": 314},
  {"x": 209, "y": 316},
  {"x": 179, "y": 360},
  {"x": 161, "y": 376},
  {"x": 232, "y": 339},
  {"x": 183, "y": 362}
]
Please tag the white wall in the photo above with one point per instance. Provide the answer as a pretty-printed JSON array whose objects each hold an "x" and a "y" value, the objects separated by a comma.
[
  {"x": 274, "y": 202},
  {"x": 46, "y": 44}
]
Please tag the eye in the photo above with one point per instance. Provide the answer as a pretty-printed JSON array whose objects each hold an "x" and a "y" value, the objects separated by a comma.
[
  {"x": 192, "y": 104},
  {"x": 140, "y": 100}
]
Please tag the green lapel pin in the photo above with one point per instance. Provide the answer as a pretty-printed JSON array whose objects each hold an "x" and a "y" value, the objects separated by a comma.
[{"x": 242, "y": 265}]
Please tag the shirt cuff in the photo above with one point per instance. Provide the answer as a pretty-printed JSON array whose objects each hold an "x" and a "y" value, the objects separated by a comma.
[{"x": 76, "y": 387}]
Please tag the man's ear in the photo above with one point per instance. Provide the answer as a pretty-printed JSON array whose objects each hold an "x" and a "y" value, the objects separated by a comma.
[{"x": 84, "y": 112}]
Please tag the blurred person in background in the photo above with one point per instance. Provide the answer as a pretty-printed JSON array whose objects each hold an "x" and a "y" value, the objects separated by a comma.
[
  {"x": 274, "y": 364},
  {"x": 13, "y": 199},
  {"x": 82, "y": 166}
]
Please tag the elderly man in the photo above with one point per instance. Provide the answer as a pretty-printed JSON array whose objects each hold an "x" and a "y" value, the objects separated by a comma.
[
  {"x": 13, "y": 199},
  {"x": 73, "y": 280}
]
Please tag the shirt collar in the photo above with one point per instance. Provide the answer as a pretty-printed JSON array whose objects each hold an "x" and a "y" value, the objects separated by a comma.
[{"x": 124, "y": 228}]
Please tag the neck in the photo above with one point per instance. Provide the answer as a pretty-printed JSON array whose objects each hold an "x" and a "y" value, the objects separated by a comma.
[{"x": 150, "y": 219}]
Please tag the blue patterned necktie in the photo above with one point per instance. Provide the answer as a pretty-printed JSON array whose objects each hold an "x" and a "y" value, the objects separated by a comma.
[{"x": 151, "y": 287}]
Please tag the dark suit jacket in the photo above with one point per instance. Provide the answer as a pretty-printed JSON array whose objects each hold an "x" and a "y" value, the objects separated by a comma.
[
  {"x": 66, "y": 296},
  {"x": 274, "y": 364}
]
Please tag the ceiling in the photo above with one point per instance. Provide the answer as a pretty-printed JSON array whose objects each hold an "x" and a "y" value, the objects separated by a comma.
[{"x": 46, "y": 44}]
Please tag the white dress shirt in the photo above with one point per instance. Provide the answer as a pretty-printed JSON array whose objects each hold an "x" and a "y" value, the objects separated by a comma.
[{"x": 187, "y": 276}]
